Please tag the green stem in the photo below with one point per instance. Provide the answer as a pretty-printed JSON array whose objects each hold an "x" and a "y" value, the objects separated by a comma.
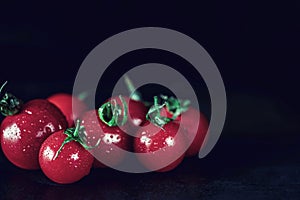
[
  {"x": 173, "y": 105},
  {"x": 134, "y": 93},
  {"x": 176, "y": 106},
  {"x": 110, "y": 113},
  {"x": 3, "y": 85},
  {"x": 9, "y": 104},
  {"x": 73, "y": 134},
  {"x": 154, "y": 115}
]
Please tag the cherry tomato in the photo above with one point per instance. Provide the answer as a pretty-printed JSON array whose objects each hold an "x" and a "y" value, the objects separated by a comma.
[
  {"x": 156, "y": 146},
  {"x": 23, "y": 133},
  {"x": 70, "y": 106},
  {"x": 69, "y": 165}
]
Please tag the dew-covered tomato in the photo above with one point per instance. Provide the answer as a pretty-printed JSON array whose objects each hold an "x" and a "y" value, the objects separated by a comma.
[
  {"x": 113, "y": 140},
  {"x": 160, "y": 149},
  {"x": 67, "y": 164},
  {"x": 23, "y": 132},
  {"x": 195, "y": 130}
]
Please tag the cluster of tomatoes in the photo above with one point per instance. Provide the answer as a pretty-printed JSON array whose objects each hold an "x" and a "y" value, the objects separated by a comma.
[{"x": 62, "y": 137}]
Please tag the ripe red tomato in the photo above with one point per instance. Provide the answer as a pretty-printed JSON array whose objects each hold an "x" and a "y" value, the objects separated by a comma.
[
  {"x": 195, "y": 131},
  {"x": 70, "y": 106},
  {"x": 192, "y": 127},
  {"x": 72, "y": 163},
  {"x": 111, "y": 139},
  {"x": 23, "y": 133},
  {"x": 160, "y": 149}
]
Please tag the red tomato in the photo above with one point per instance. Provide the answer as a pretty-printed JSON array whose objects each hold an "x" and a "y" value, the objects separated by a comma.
[
  {"x": 158, "y": 149},
  {"x": 23, "y": 133},
  {"x": 195, "y": 132},
  {"x": 192, "y": 127},
  {"x": 66, "y": 103},
  {"x": 72, "y": 163},
  {"x": 111, "y": 139}
]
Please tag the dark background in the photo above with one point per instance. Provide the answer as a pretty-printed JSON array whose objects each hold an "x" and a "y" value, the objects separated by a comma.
[{"x": 255, "y": 46}]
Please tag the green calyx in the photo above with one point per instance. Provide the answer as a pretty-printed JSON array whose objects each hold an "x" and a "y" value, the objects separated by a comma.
[
  {"x": 173, "y": 105},
  {"x": 176, "y": 106},
  {"x": 76, "y": 134},
  {"x": 112, "y": 114},
  {"x": 154, "y": 114},
  {"x": 9, "y": 104}
]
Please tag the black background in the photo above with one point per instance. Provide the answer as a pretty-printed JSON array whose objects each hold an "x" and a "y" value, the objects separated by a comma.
[{"x": 255, "y": 46}]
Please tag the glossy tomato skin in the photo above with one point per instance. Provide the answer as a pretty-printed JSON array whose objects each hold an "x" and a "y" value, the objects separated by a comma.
[
  {"x": 71, "y": 164},
  {"x": 22, "y": 134},
  {"x": 70, "y": 106},
  {"x": 167, "y": 144},
  {"x": 112, "y": 140},
  {"x": 200, "y": 128},
  {"x": 195, "y": 132}
]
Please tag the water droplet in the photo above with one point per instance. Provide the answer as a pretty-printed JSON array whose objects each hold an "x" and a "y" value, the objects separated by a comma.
[{"x": 28, "y": 112}]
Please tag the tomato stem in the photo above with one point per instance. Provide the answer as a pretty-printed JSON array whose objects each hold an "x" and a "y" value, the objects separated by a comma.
[
  {"x": 3, "y": 85},
  {"x": 134, "y": 93},
  {"x": 154, "y": 114},
  {"x": 9, "y": 104},
  {"x": 74, "y": 134},
  {"x": 111, "y": 114},
  {"x": 176, "y": 106},
  {"x": 173, "y": 105}
]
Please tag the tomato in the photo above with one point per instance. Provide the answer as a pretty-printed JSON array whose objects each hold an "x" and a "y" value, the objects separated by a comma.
[
  {"x": 23, "y": 133},
  {"x": 192, "y": 127},
  {"x": 111, "y": 139},
  {"x": 195, "y": 131},
  {"x": 71, "y": 106},
  {"x": 68, "y": 165},
  {"x": 160, "y": 149}
]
